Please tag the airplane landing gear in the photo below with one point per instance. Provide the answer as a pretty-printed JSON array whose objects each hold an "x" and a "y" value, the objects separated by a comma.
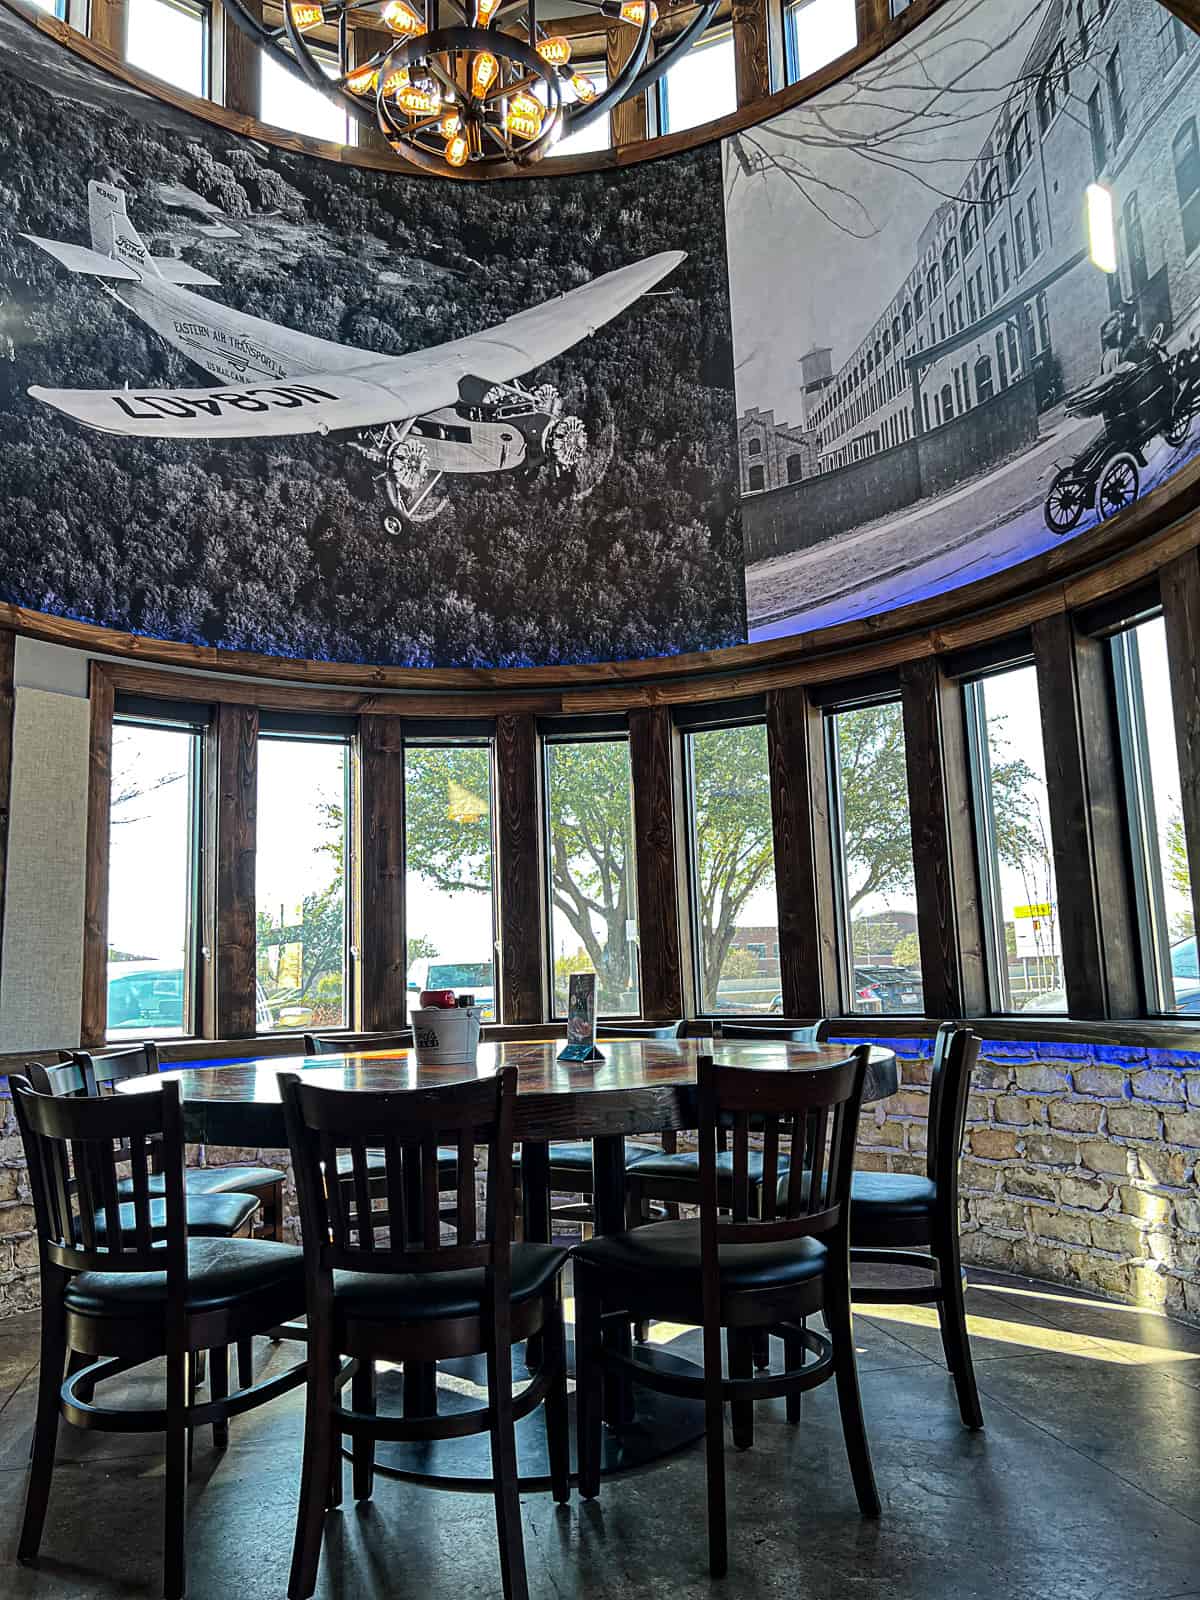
[{"x": 408, "y": 480}]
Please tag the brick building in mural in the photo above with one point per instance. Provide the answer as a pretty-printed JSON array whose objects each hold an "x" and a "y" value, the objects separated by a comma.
[{"x": 1001, "y": 288}]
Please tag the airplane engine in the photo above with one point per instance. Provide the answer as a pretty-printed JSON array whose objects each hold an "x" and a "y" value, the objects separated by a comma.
[{"x": 568, "y": 442}]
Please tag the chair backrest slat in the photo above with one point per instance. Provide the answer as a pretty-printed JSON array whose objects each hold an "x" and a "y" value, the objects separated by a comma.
[
  {"x": 639, "y": 1030},
  {"x": 955, "y": 1052},
  {"x": 816, "y": 1111},
  {"x": 339, "y": 1044},
  {"x": 410, "y": 1127},
  {"x": 787, "y": 1033},
  {"x": 74, "y": 1145},
  {"x": 108, "y": 1067}
]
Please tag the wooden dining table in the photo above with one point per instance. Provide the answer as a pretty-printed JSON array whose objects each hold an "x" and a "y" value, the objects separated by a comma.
[{"x": 641, "y": 1086}]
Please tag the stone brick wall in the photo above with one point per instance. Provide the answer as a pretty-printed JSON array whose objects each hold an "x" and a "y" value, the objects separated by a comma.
[{"x": 1081, "y": 1165}]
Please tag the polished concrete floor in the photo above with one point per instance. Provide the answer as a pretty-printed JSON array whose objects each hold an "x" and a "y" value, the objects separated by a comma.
[{"x": 1084, "y": 1484}]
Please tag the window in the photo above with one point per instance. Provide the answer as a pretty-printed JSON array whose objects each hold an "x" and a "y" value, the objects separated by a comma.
[
  {"x": 1035, "y": 227},
  {"x": 993, "y": 276},
  {"x": 303, "y": 846},
  {"x": 449, "y": 905},
  {"x": 1019, "y": 241},
  {"x": 991, "y": 195},
  {"x": 1151, "y": 765},
  {"x": 286, "y": 101},
  {"x": 1084, "y": 22},
  {"x": 795, "y": 467},
  {"x": 1012, "y": 827},
  {"x": 872, "y": 842},
  {"x": 983, "y": 379},
  {"x": 169, "y": 38},
  {"x": 1005, "y": 270},
  {"x": 818, "y": 32},
  {"x": 1098, "y": 131},
  {"x": 597, "y": 135},
  {"x": 1043, "y": 322},
  {"x": 53, "y": 8},
  {"x": 969, "y": 231},
  {"x": 918, "y": 301},
  {"x": 700, "y": 86},
  {"x": 1172, "y": 38},
  {"x": 591, "y": 871},
  {"x": 732, "y": 860},
  {"x": 1185, "y": 152},
  {"x": 754, "y": 447},
  {"x": 756, "y": 479},
  {"x": 949, "y": 259},
  {"x": 933, "y": 282},
  {"x": 1017, "y": 150},
  {"x": 153, "y": 885},
  {"x": 1115, "y": 79},
  {"x": 1054, "y": 86},
  {"x": 947, "y": 403},
  {"x": 908, "y": 317},
  {"x": 896, "y": 336}
]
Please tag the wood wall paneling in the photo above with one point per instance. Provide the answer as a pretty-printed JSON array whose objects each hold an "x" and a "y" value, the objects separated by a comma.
[
  {"x": 628, "y": 121},
  {"x": 243, "y": 67},
  {"x": 7, "y": 708},
  {"x": 383, "y": 961},
  {"x": 522, "y": 911},
  {"x": 651, "y": 755},
  {"x": 1180, "y": 586},
  {"x": 93, "y": 1025},
  {"x": 1097, "y": 925},
  {"x": 803, "y": 855},
  {"x": 751, "y": 50},
  {"x": 949, "y": 916},
  {"x": 237, "y": 839}
]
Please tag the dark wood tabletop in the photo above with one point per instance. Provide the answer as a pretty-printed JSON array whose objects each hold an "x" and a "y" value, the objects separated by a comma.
[{"x": 641, "y": 1086}]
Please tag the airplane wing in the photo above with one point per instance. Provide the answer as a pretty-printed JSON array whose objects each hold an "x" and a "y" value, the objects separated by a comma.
[{"x": 376, "y": 390}]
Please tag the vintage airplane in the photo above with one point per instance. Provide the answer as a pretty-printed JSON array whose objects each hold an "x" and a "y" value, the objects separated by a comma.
[{"x": 457, "y": 408}]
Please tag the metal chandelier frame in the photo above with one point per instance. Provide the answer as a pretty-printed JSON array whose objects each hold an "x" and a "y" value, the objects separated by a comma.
[{"x": 464, "y": 83}]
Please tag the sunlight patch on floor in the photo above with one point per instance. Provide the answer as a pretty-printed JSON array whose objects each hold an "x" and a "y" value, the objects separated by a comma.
[{"x": 1033, "y": 1336}]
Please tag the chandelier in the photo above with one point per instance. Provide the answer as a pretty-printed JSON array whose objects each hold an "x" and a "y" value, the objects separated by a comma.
[{"x": 463, "y": 84}]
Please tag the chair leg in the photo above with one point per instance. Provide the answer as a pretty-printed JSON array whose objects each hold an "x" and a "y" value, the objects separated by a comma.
[
  {"x": 760, "y": 1343},
  {"x": 179, "y": 1387},
  {"x": 740, "y": 1347},
  {"x": 589, "y": 1383},
  {"x": 839, "y": 1321},
  {"x": 218, "y": 1389},
  {"x": 193, "y": 1380},
  {"x": 245, "y": 1363},
  {"x": 795, "y": 1354},
  {"x": 956, "y": 1342},
  {"x": 320, "y": 1445},
  {"x": 504, "y": 1475},
  {"x": 714, "y": 1454},
  {"x": 363, "y": 1398},
  {"x": 53, "y": 1357},
  {"x": 558, "y": 1437}
]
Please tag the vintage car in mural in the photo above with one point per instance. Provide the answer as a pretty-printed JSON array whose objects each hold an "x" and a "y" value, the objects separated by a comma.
[{"x": 456, "y": 408}]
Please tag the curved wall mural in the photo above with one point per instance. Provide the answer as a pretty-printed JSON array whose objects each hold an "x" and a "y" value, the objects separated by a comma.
[
  {"x": 263, "y": 401},
  {"x": 991, "y": 239},
  {"x": 926, "y": 324}
]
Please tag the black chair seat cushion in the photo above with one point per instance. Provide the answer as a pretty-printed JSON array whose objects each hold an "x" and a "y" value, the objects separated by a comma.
[
  {"x": 684, "y": 1166},
  {"x": 668, "y": 1253},
  {"x": 212, "y": 1180},
  {"x": 209, "y": 1216},
  {"x": 431, "y": 1296},
  {"x": 883, "y": 1204},
  {"x": 220, "y": 1273},
  {"x": 575, "y": 1155},
  {"x": 377, "y": 1166}
]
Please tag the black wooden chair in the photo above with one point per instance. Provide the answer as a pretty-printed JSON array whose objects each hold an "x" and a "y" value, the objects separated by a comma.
[
  {"x": 382, "y": 1286},
  {"x": 337, "y": 1044},
  {"x": 906, "y": 1220},
  {"x": 109, "y": 1067},
  {"x": 672, "y": 1179},
  {"x": 571, "y": 1159},
  {"x": 741, "y": 1274},
  {"x": 122, "y": 1296}
]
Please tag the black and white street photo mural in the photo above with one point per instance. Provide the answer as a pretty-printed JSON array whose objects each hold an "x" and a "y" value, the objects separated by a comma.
[
  {"x": 264, "y": 401},
  {"x": 990, "y": 241}
]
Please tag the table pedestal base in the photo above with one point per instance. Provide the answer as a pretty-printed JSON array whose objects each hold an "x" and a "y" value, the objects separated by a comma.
[{"x": 661, "y": 1425}]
